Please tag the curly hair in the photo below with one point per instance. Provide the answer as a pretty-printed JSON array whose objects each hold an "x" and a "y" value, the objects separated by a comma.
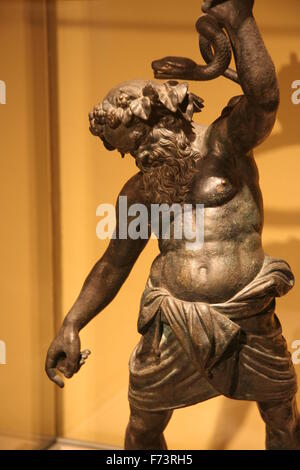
[{"x": 167, "y": 162}]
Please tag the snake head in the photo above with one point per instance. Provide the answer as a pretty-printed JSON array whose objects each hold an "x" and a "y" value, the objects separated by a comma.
[{"x": 174, "y": 67}]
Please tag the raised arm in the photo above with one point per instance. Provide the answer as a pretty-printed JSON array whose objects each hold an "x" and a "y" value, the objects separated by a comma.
[
  {"x": 249, "y": 119},
  {"x": 99, "y": 289}
]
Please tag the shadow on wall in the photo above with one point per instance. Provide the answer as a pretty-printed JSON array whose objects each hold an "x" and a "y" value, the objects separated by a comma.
[
  {"x": 288, "y": 113},
  {"x": 233, "y": 411}
]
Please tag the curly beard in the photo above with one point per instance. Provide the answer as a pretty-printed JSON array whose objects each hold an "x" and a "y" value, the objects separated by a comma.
[{"x": 168, "y": 166}]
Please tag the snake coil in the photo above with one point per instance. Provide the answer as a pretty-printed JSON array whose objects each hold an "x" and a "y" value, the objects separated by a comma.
[{"x": 215, "y": 49}]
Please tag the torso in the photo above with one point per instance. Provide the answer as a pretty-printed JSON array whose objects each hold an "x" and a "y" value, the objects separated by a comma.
[{"x": 232, "y": 253}]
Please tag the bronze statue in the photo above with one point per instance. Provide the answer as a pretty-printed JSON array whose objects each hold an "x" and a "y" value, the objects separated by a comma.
[{"x": 207, "y": 315}]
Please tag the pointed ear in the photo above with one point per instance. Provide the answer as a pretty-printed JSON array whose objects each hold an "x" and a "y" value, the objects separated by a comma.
[{"x": 141, "y": 107}]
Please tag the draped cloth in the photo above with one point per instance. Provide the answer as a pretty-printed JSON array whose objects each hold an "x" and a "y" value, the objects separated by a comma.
[{"x": 192, "y": 351}]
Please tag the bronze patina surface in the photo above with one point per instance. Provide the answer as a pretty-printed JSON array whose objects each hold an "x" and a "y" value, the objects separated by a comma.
[{"x": 207, "y": 316}]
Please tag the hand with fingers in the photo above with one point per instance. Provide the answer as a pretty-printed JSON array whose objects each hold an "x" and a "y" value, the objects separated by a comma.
[{"x": 64, "y": 355}]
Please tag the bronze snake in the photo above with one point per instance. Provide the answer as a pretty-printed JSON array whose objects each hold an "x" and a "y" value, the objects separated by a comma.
[{"x": 211, "y": 37}]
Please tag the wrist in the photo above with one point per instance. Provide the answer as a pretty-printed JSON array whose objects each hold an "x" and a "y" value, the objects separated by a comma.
[
  {"x": 71, "y": 322},
  {"x": 236, "y": 23}
]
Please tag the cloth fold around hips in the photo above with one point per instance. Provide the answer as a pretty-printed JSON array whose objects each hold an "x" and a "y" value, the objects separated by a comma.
[{"x": 212, "y": 342}]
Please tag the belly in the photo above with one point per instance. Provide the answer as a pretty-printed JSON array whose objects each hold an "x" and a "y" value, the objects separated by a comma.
[
  {"x": 213, "y": 274},
  {"x": 229, "y": 259}
]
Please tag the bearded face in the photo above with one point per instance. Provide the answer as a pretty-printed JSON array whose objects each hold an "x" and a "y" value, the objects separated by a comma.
[{"x": 168, "y": 163}]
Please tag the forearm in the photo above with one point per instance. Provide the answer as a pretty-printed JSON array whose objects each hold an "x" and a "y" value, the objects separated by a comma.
[
  {"x": 99, "y": 289},
  {"x": 255, "y": 68}
]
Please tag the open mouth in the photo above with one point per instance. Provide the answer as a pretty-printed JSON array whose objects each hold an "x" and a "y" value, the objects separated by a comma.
[{"x": 161, "y": 69}]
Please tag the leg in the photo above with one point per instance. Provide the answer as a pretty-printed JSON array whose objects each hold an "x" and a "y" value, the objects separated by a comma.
[
  {"x": 282, "y": 424},
  {"x": 145, "y": 430}
]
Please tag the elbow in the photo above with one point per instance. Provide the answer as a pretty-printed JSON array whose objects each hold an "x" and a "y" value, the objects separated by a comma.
[
  {"x": 270, "y": 96},
  {"x": 264, "y": 93},
  {"x": 266, "y": 102},
  {"x": 271, "y": 105},
  {"x": 116, "y": 265}
]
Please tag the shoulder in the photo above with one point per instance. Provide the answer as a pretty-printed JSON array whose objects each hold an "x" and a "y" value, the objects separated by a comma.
[
  {"x": 220, "y": 136},
  {"x": 232, "y": 103}
]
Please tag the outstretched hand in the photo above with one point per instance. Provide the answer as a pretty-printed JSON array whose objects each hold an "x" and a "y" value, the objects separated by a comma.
[{"x": 64, "y": 355}]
